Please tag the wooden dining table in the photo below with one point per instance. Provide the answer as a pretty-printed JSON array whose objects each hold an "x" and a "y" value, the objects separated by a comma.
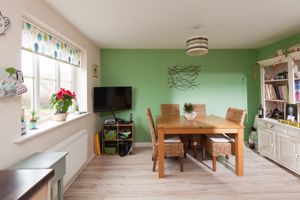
[{"x": 200, "y": 125}]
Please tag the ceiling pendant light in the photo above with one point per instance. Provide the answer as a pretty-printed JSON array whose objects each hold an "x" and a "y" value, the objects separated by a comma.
[{"x": 197, "y": 46}]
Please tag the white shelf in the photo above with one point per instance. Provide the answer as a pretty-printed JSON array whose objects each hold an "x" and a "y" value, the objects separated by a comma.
[
  {"x": 277, "y": 100},
  {"x": 273, "y": 61},
  {"x": 276, "y": 81}
]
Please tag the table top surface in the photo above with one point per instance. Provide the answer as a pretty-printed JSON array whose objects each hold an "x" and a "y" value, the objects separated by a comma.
[
  {"x": 204, "y": 122},
  {"x": 21, "y": 184},
  {"x": 40, "y": 160}
]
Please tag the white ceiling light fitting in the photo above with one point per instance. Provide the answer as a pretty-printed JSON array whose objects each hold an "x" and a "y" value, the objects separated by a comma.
[{"x": 197, "y": 46}]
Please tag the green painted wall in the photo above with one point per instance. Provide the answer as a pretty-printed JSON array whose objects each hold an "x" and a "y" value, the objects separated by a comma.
[
  {"x": 270, "y": 50},
  {"x": 226, "y": 80}
]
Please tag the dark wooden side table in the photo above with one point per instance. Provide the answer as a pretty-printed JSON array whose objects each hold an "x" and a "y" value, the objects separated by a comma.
[
  {"x": 33, "y": 184},
  {"x": 47, "y": 160}
]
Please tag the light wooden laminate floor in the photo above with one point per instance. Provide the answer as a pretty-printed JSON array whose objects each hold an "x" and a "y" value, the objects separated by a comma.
[{"x": 131, "y": 178}]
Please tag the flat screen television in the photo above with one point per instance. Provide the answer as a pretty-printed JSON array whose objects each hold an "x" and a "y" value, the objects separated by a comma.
[{"x": 112, "y": 98}]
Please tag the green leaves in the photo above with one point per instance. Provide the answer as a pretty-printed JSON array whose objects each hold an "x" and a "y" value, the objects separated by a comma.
[
  {"x": 10, "y": 71},
  {"x": 34, "y": 116},
  {"x": 188, "y": 107}
]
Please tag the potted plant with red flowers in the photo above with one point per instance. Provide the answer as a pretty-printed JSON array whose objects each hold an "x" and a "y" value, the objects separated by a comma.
[{"x": 61, "y": 101}]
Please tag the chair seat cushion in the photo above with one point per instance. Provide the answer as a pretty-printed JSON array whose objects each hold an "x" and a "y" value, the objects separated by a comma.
[
  {"x": 219, "y": 138},
  {"x": 217, "y": 145},
  {"x": 174, "y": 139}
]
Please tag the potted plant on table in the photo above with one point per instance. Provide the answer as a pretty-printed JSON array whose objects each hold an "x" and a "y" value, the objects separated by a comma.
[
  {"x": 61, "y": 101},
  {"x": 189, "y": 111},
  {"x": 33, "y": 120}
]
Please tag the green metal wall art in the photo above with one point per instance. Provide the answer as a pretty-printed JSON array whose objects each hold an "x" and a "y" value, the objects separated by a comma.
[{"x": 183, "y": 77}]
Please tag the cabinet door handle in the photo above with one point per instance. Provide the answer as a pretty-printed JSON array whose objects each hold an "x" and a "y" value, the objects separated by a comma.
[{"x": 297, "y": 156}]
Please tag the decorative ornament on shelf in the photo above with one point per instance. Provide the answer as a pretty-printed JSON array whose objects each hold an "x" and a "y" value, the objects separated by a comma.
[
  {"x": 189, "y": 111},
  {"x": 61, "y": 101},
  {"x": 294, "y": 48},
  {"x": 4, "y": 24},
  {"x": 76, "y": 107},
  {"x": 33, "y": 120},
  {"x": 23, "y": 123},
  {"x": 14, "y": 86},
  {"x": 15, "y": 74}
]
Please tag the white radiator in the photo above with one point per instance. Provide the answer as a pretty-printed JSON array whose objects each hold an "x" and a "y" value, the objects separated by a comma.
[{"x": 76, "y": 146}]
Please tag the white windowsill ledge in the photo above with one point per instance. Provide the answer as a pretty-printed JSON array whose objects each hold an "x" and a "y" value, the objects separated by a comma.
[{"x": 44, "y": 128}]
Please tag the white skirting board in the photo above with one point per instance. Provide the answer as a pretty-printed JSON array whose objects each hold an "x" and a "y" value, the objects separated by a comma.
[
  {"x": 76, "y": 146},
  {"x": 143, "y": 144}
]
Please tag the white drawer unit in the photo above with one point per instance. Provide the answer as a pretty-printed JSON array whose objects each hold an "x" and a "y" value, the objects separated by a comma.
[
  {"x": 298, "y": 157},
  {"x": 280, "y": 143},
  {"x": 266, "y": 143},
  {"x": 286, "y": 151}
]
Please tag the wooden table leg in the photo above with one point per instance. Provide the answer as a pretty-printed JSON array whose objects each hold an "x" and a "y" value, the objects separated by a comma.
[
  {"x": 239, "y": 152},
  {"x": 161, "y": 154}
]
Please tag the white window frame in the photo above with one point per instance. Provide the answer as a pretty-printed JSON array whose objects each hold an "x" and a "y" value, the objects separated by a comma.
[{"x": 35, "y": 96}]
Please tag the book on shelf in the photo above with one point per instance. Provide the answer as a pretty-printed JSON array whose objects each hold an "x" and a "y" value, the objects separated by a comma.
[
  {"x": 276, "y": 92},
  {"x": 297, "y": 90}
]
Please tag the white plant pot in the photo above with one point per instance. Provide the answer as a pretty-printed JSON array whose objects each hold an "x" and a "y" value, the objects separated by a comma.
[
  {"x": 60, "y": 117},
  {"x": 190, "y": 116}
]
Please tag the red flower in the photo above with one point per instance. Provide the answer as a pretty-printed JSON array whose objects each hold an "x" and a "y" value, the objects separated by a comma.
[
  {"x": 63, "y": 90},
  {"x": 60, "y": 95},
  {"x": 68, "y": 92}
]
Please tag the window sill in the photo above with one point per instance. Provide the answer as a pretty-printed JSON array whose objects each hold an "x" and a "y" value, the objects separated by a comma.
[{"x": 45, "y": 127}]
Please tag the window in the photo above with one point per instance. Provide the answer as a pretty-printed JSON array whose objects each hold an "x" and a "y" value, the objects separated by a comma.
[
  {"x": 48, "y": 64},
  {"x": 44, "y": 76}
]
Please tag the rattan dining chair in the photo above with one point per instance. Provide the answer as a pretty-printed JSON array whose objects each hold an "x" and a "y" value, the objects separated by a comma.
[
  {"x": 196, "y": 139},
  {"x": 238, "y": 116},
  {"x": 169, "y": 109},
  {"x": 172, "y": 147},
  {"x": 220, "y": 145},
  {"x": 174, "y": 109}
]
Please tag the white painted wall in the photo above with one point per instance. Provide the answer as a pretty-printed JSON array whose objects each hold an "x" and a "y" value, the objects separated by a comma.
[{"x": 10, "y": 56}]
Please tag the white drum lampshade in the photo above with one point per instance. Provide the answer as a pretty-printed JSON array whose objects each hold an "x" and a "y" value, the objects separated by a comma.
[{"x": 197, "y": 46}]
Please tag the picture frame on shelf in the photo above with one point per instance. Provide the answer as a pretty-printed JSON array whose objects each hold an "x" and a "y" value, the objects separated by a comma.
[
  {"x": 95, "y": 70},
  {"x": 291, "y": 112}
]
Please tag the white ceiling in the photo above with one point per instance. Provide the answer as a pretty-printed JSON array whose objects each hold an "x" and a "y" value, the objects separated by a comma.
[{"x": 167, "y": 24}]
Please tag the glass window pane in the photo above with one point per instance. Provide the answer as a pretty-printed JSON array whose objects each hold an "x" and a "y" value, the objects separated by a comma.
[
  {"x": 47, "y": 68},
  {"x": 47, "y": 88},
  {"x": 27, "y": 100},
  {"x": 27, "y": 63},
  {"x": 67, "y": 85},
  {"x": 65, "y": 72}
]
